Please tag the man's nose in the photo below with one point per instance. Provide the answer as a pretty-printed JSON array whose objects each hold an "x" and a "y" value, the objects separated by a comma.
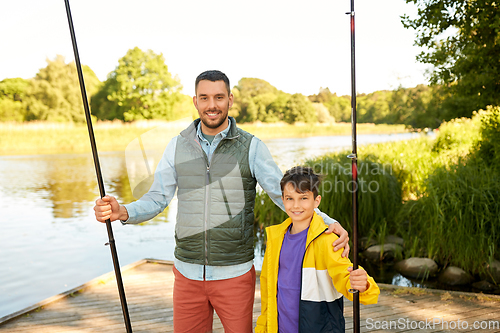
[{"x": 211, "y": 103}]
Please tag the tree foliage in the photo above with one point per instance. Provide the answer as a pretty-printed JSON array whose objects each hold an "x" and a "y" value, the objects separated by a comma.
[
  {"x": 141, "y": 87},
  {"x": 258, "y": 100},
  {"x": 338, "y": 106},
  {"x": 461, "y": 40},
  {"x": 12, "y": 99},
  {"x": 53, "y": 94}
]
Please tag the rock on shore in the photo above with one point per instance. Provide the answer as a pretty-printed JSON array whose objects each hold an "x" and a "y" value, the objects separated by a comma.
[
  {"x": 455, "y": 276},
  {"x": 417, "y": 267},
  {"x": 382, "y": 252}
]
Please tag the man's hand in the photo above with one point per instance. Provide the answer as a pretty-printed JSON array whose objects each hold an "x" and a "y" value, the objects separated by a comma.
[
  {"x": 343, "y": 241},
  {"x": 359, "y": 279},
  {"x": 108, "y": 208}
]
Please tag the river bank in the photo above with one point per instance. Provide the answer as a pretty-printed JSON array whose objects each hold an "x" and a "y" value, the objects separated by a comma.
[
  {"x": 440, "y": 196},
  {"x": 53, "y": 138}
]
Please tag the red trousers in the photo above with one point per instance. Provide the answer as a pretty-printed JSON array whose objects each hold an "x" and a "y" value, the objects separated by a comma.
[{"x": 195, "y": 301}]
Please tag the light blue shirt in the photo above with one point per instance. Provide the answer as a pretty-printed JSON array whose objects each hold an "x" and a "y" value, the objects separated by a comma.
[{"x": 262, "y": 167}]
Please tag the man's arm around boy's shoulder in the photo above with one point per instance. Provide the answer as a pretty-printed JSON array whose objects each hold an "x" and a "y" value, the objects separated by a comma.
[{"x": 338, "y": 269}]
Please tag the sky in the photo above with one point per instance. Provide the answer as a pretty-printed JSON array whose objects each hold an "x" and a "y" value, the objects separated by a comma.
[{"x": 297, "y": 46}]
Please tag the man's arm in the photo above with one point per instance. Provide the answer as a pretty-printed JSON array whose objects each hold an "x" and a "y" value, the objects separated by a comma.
[
  {"x": 161, "y": 191},
  {"x": 150, "y": 204},
  {"x": 269, "y": 175}
]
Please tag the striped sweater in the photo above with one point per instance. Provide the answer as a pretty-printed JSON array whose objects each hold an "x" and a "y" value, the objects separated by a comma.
[{"x": 325, "y": 280}]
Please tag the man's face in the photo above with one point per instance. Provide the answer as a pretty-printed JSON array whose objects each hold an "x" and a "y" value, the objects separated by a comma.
[{"x": 213, "y": 103}]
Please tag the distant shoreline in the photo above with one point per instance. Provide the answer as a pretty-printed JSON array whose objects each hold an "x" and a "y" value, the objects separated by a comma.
[{"x": 58, "y": 138}]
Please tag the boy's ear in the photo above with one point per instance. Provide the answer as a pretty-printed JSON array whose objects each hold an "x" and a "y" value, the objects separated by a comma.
[{"x": 317, "y": 201}]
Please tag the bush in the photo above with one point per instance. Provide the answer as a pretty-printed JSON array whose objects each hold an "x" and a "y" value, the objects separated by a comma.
[{"x": 489, "y": 146}]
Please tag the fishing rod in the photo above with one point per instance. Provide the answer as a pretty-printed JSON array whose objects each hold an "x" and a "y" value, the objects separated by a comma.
[
  {"x": 100, "y": 182},
  {"x": 354, "y": 171}
]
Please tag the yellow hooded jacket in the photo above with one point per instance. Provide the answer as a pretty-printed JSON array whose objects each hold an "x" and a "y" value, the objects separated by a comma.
[{"x": 324, "y": 280}]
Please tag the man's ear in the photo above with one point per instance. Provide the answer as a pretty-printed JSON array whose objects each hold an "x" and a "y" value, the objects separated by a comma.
[
  {"x": 195, "y": 102},
  {"x": 231, "y": 97}
]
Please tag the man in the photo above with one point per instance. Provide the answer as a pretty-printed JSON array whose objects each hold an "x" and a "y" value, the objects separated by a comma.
[{"x": 215, "y": 167}]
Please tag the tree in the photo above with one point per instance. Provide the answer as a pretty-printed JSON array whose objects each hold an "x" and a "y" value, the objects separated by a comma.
[
  {"x": 322, "y": 113},
  {"x": 252, "y": 98},
  {"x": 54, "y": 94},
  {"x": 375, "y": 108},
  {"x": 300, "y": 109},
  {"x": 338, "y": 106},
  {"x": 461, "y": 38},
  {"x": 12, "y": 96},
  {"x": 417, "y": 107},
  {"x": 141, "y": 87},
  {"x": 278, "y": 107}
]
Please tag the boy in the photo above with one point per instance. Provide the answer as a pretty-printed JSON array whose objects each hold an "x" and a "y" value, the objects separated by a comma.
[{"x": 300, "y": 269}]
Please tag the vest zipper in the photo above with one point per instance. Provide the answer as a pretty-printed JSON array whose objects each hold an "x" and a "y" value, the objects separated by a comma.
[{"x": 207, "y": 200}]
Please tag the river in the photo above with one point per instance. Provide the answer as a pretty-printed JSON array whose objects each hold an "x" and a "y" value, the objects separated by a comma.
[{"x": 49, "y": 239}]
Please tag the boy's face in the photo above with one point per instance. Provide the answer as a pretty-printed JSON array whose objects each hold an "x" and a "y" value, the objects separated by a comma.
[{"x": 299, "y": 206}]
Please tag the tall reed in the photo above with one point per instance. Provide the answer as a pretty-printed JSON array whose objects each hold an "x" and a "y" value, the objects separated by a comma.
[
  {"x": 456, "y": 221},
  {"x": 378, "y": 192}
]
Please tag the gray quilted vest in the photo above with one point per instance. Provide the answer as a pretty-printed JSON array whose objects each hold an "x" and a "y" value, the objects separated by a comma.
[{"x": 215, "y": 200}]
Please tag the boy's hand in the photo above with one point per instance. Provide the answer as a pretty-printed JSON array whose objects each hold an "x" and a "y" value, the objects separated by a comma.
[
  {"x": 343, "y": 241},
  {"x": 359, "y": 279}
]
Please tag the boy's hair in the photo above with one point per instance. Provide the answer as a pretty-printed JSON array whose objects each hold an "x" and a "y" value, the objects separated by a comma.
[
  {"x": 303, "y": 179},
  {"x": 212, "y": 76}
]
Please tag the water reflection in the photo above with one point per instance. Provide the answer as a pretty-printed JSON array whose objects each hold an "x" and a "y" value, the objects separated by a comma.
[{"x": 69, "y": 186}]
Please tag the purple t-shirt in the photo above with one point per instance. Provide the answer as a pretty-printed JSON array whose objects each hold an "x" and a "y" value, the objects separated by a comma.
[{"x": 289, "y": 276}]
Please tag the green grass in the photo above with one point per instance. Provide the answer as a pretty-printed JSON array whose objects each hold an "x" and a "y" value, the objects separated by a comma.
[
  {"x": 442, "y": 194},
  {"x": 55, "y": 138},
  {"x": 456, "y": 221}
]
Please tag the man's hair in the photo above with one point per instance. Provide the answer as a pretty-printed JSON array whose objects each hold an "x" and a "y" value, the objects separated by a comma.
[
  {"x": 303, "y": 179},
  {"x": 212, "y": 76}
]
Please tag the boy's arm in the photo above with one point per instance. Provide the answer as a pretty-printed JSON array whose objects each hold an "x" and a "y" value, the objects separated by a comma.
[
  {"x": 262, "y": 320},
  {"x": 338, "y": 269}
]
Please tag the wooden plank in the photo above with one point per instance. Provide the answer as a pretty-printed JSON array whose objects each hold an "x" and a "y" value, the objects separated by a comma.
[{"x": 95, "y": 306}]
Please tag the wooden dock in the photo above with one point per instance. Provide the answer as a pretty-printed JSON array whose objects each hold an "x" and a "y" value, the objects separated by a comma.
[{"x": 95, "y": 307}]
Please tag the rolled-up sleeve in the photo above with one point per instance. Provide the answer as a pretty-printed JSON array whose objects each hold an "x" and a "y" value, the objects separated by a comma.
[{"x": 161, "y": 192}]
